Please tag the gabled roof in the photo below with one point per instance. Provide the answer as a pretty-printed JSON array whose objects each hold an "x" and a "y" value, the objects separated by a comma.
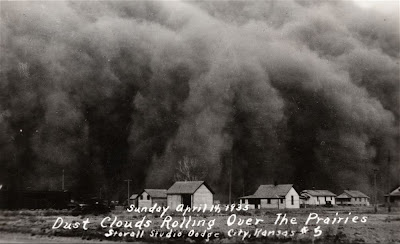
[
  {"x": 247, "y": 197},
  {"x": 352, "y": 193},
  {"x": 156, "y": 193},
  {"x": 186, "y": 187},
  {"x": 271, "y": 191},
  {"x": 319, "y": 193},
  {"x": 395, "y": 192},
  {"x": 343, "y": 195},
  {"x": 133, "y": 197}
]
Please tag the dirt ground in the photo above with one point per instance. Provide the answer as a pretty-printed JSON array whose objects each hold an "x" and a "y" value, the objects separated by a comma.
[{"x": 27, "y": 226}]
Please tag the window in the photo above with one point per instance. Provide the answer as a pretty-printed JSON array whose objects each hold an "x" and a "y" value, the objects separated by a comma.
[
  {"x": 317, "y": 199},
  {"x": 281, "y": 200},
  {"x": 148, "y": 197},
  {"x": 141, "y": 197},
  {"x": 292, "y": 200},
  {"x": 268, "y": 201}
]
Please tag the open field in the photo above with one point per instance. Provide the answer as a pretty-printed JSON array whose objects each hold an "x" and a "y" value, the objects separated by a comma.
[{"x": 36, "y": 226}]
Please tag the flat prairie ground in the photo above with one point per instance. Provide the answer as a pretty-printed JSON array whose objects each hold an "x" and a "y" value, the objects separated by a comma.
[{"x": 28, "y": 226}]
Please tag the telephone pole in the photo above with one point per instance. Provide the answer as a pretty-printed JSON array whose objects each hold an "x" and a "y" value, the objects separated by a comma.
[
  {"x": 128, "y": 191},
  {"x": 376, "y": 192},
  {"x": 389, "y": 183},
  {"x": 63, "y": 180},
  {"x": 230, "y": 181}
]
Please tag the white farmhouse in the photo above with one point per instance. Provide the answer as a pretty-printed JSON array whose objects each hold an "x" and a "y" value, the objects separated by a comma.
[
  {"x": 273, "y": 196},
  {"x": 352, "y": 197},
  {"x": 318, "y": 197},
  {"x": 190, "y": 194}
]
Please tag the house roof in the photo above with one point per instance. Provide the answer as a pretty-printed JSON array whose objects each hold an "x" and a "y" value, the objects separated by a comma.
[
  {"x": 133, "y": 197},
  {"x": 395, "y": 192},
  {"x": 319, "y": 193},
  {"x": 156, "y": 193},
  {"x": 352, "y": 193},
  {"x": 248, "y": 197},
  {"x": 343, "y": 195},
  {"x": 186, "y": 187},
  {"x": 271, "y": 191}
]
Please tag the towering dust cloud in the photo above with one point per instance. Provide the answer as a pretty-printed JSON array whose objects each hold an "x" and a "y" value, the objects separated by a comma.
[{"x": 302, "y": 92}]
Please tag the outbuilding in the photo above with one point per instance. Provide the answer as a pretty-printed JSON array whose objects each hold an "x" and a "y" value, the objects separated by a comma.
[
  {"x": 273, "y": 196},
  {"x": 190, "y": 194},
  {"x": 148, "y": 197},
  {"x": 134, "y": 199},
  {"x": 393, "y": 197},
  {"x": 352, "y": 197},
  {"x": 318, "y": 197}
]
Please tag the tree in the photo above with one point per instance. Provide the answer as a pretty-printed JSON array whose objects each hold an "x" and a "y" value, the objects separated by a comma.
[{"x": 190, "y": 169}]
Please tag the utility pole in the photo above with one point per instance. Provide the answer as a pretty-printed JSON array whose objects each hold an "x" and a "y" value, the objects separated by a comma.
[
  {"x": 230, "y": 181},
  {"x": 63, "y": 180},
  {"x": 376, "y": 192},
  {"x": 128, "y": 191},
  {"x": 389, "y": 184}
]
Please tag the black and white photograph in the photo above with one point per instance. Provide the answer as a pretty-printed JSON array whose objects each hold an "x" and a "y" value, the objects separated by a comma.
[{"x": 200, "y": 121}]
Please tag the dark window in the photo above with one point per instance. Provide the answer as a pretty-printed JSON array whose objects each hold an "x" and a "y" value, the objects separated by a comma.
[
  {"x": 268, "y": 201},
  {"x": 281, "y": 200},
  {"x": 292, "y": 200},
  {"x": 141, "y": 197},
  {"x": 317, "y": 199},
  {"x": 148, "y": 197}
]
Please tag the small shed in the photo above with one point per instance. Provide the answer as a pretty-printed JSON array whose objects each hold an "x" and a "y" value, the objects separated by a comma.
[
  {"x": 273, "y": 196},
  {"x": 134, "y": 199},
  {"x": 190, "y": 194},
  {"x": 149, "y": 197},
  {"x": 393, "y": 197},
  {"x": 318, "y": 197},
  {"x": 352, "y": 197}
]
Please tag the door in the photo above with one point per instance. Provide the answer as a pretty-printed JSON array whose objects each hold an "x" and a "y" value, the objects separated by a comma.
[{"x": 187, "y": 200}]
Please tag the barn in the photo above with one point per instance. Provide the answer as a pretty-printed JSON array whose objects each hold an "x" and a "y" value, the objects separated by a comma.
[
  {"x": 352, "y": 197},
  {"x": 318, "y": 197},
  {"x": 149, "y": 197},
  {"x": 273, "y": 196},
  {"x": 190, "y": 194}
]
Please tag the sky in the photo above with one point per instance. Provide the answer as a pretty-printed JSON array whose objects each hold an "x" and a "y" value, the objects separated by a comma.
[{"x": 385, "y": 6}]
